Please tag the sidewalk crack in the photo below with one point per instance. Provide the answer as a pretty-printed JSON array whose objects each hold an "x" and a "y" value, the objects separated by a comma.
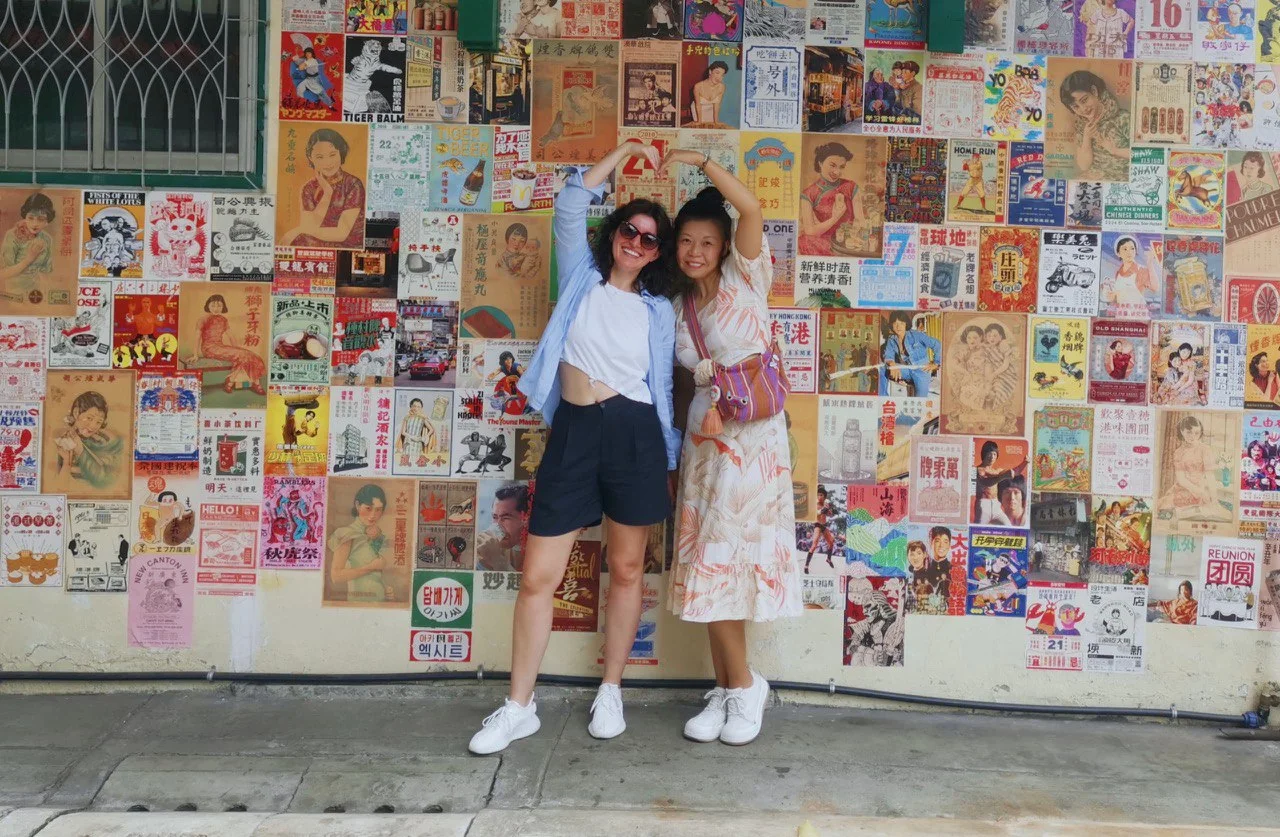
[
  {"x": 289, "y": 807},
  {"x": 546, "y": 762}
]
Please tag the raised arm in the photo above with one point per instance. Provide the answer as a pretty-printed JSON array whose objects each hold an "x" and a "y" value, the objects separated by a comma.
[
  {"x": 748, "y": 238},
  {"x": 582, "y": 189}
]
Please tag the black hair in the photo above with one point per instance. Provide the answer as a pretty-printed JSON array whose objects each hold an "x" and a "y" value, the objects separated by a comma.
[
  {"x": 38, "y": 203},
  {"x": 707, "y": 205},
  {"x": 964, "y": 335},
  {"x": 1254, "y": 157},
  {"x": 333, "y": 138},
  {"x": 898, "y": 316},
  {"x": 1186, "y": 346},
  {"x": 1255, "y": 362},
  {"x": 160, "y": 497},
  {"x": 413, "y": 401},
  {"x": 830, "y": 149},
  {"x": 997, "y": 328},
  {"x": 365, "y": 497},
  {"x": 311, "y": 413},
  {"x": 658, "y": 276},
  {"x": 716, "y": 65},
  {"x": 1120, "y": 243},
  {"x": 939, "y": 530},
  {"x": 822, "y": 489},
  {"x": 517, "y": 492},
  {"x": 219, "y": 298},
  {"x": 505, "y": 356},
  {"x": 1082, "y": 81},
  {"x": 1173, "y": 356},
  {"x": 990, "y": 447},
  {"x": 1189, "y": 423},
  {"x": 516, "y": 229}
]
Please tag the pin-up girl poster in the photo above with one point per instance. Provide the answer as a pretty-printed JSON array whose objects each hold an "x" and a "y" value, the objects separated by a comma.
[
  {"x": 322, "y": 188},
  {"x": 88, "y": 435},
  {"x": 1199, "y": 480},
  {"x": 38, "y": 251},
  {"x": 222, "y": 333},
  {"x": 842, "y": 202},
  {"x": 984, "y": 374},
  {"x": 367, "y": 560}
]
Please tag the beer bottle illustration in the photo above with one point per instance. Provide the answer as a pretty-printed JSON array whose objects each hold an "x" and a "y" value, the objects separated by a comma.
[{"x": 472, "y": 186}]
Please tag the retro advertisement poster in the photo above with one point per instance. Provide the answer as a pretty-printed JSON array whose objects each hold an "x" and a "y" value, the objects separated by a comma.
[
  {"x": 145, "y": 329},
  {"x": 20, "y": 448},
  {"x": 650, "y": 79},
  {"x": 1193, "y": 270},
  {"x": 836, "y": 22},
  {"x": 436, "y": 86},
  {"x": 781, "y": 236},
  {"x": 1266, "y": 125},
  {"x": 223, "y": 338},
  {"x": 893, "y": 97},
  {"x": 953, "y": 92},
  {"x": 304, "y": 270},
  {"x": 948, "y": 268},
  {"x": 1043, "y": 28},
  {"x": 825, "y": 538},
  {"x": 167, "y": 423},
  {"x": 1119, "y": 361},
  {"x": 478, "y": 447},
  {"x": 430, "y": 255},
  {"x": 165, "y": 508},
  {"x": 1252, "y": 300},
  {"x": 796, "y": 330},
  {"x": 1063, "y": 449},
  {"x": 1054, "y": 612},
  {"x": 1180, "y": 364},
  {"x": 390, "y": 17},
  {"x": 1162, "y": 97},
  {"x": 1070, "y": 263},
  {"x": 889, "y": 28},
  {"x": 784, "y": 20},
  {"x": 640, "y": 178},
  {"x": 231, "y": 453},
  {"x": 847, "y": 440},
  {"x": 1163, "y": 31},
  {"x": 999, "y": 489},
  {"x": 983, "y": 374},
  {"x": 1260, "y": 458},
  {"x": 722, "y": 148},
  {"x": 1059, "y": 358},
  {"x": 445, "y": 535},
  {"x": 1198, "y": 490},
  {"x": 1132, "y": 268},
  {"x": 1084, "y": 205},
  {"x": 1103, "y": 31},
  {"x": 399, "y": 161},
  {"x": 1008, "y": 265},
  {"x": 915, "y": 187},
  {"x": 112, "y": 234},
  {"x": 875, "y": 530},
  {"x": 86, "y": 443},
  {"x": 311, "y": 69},
  {"x": 988, "y": 25},
  {"x": 426, "y": 343},
  {"x": 228, "y": 549},
  {"x": 301, "y": 331},
  {"x": 1033, "y": 199},
  {"x": 1222, "y": 33},
  {"x": 1114, "y": 631},
  {"x": 1195, "y": 190},
  {"x": 313, "y": 15},
  {"x": 439, "y": 646},
  {"x": 644, "y": 648},
  {"x": 1121, "y": 537},
  {"x": 1014, "y": 105},
  {"x": 363, "y": 342},
  {"x": 442, "y": 599},
  {"x": 1139, "y": 204},
  {"x": 1253, "y": 245},
  {"x": 243, "y": 234},
  {"x": 1124, "y": 451},
  {"x": 591, "y": 19},
  {"x": 939, "y": 480},
  {"x": 1230, "y": 582},
  {"x": 460, "y": 181},
  {"x": 518, "y": 183},
  {"x": 38, "y": 251},
  {"x": 497, "y": 371},
  {"x": 1089, "y": 142},
  {"x": 900, "y": 420},
  {"x": 875, "y": 620},
  {"x": 710, "y": 90},
  {"x": 843, "y": 216},
  {"x": 293, "y": 514},
  {"x": 771, "y": 169},
  {"x": 997, "y": 572},
  {"x": 1261, "y": 390},
  {"x": 771, "y": 86},
  {"x": 24, "y": 342},
  {"x": 369, "y": 524},
  {"x": 977, "y": 174},
  {"x": 360, "y": 430},
  {"x": 833, "y": 79},
  {"x": 577, "y": 82},
  {"x": 321, "y": 164},
  {"x": 506, "y": 263},
  {"x": 1227, "y": 366},
  {"x": 421, "y": 440},
  {"x": 97, "y": 552},
  {"x": 888, "y": 282},
  {"x": 32, "y": 540},
  {"x": 83, "y": 341},
  {"x": 297, "y": 434},
  {"x": 161, "y": 606},
  {"x": 577, "y": 600}
]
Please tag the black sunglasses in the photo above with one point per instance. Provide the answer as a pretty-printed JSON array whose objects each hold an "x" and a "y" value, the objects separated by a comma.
[{"x": 648, "y": 241}]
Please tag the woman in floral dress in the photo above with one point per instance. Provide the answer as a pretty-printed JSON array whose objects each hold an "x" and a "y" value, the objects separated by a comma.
[{"x": 735, "y": 548}]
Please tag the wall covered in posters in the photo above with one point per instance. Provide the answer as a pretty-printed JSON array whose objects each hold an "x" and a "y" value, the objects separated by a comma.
[{"x": 1029, "y": 302}]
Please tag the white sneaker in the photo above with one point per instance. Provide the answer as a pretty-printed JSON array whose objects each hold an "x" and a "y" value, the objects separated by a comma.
[
  {"x": 606, "y": 713},
  {"x": 744, "y": 711},
  {"x": 510, "y": 722},
  {"x": 706, "y": 725}
]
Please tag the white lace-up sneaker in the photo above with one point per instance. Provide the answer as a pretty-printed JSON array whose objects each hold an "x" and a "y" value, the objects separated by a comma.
[
  {"x": 744, "y": 711},
  {"x": 606, "y": 713},
  {"x": 510, "y": 722},
  {"x": 706, "y": 725}
]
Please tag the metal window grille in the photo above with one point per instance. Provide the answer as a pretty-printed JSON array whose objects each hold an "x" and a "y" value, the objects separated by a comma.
[{"x": 133, "y": 92}]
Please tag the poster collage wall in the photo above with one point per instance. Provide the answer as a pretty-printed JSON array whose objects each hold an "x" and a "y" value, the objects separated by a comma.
[{"x": 1029, "y": 297}]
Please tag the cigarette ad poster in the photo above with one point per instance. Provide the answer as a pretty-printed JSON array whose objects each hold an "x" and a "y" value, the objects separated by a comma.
[
  {"x": 368, "y": 531},
  {"x": 111, "y": 234},
  {"x": 1162, "y": 96},
  {"x": 796, "y": 330},
  {"x": 578, "y": 83},
  {"x": 423, "y": 438},
  {"x": 436, "y": 87},
  {"x": 1055, "y": 610},
  {"x": 983, "y": 374},
  {"x": 939, "y": 480},
  {"x": 318, "y": 165},
  {"x": 518, "y": 183},
  {"x": 442, "y": 599},
  {"x": 297, "y": 435},
  {"x": 1070, "y": 263},
  {"x": 1063, "y": 449},
  {"x": 24, "y": 342},
  {"x": 1227, "y": 366},
  {"x": 1261, "y": 390},
  {"x": 836, "y": 22},
  {"x": 1139, "y": 205},
  {"x": 446, "y": 525},
  {"x": 432, "y": 646},
  {"x": 1014, "y": 105},
  {"x": 507, "y": 267},
  {"x": 1193, "y": 271},
  {"x": 97, "y": 552},
  {"x": 87, "y": 435},
  {"x": 1059, "y": 358},
  {"x": 459, "y": 179},
  {"x": 1195, "y": 190},
  {"x": 893, "y": 99},
  {"x": 20, "y": 448},
  {"x": 231, "y": 453},
  {"x": 1164, "y": 31},
  {"x": 302, "y": 270},
  {"x": 1253, "y": 237},
  {"x": 1043, "y": 28},
  {"x": 1114, "y": 629},
  {"x": 83, "y": 341},
  {"x": 915, "y": 190},
  {"x": 167, "y": 422},
  {"x": 430, "y": 255},
  {"x": 301, "y": 330},
  {"x": 1008, "y": 265},
  {"x": 976, "y": 181},
  {"x": 161, "y": 600},
  {"x": 378, "y": 16},
  {"x": 875, "y": 621},
  {"x": 1132, "y": 268},
  {"x": 1089, "y": 141},
  {"x": 313, "y": 15},
  {"x": 1198, "y": 490},
  {"x": 293, "y": 509},
  {"x": 771, "y": 169},
  {"x": 577, "y": 599},
  {"x": 31, "y": 532},
  {"x": 223, "y": 340},
  {"x": 360, "y": 430},
  {"x": 948, "y": 268},
  {"x": 1119, "y": 361},
  {"x": 228, "y": 549},
  {"x": 1180, "y": 364},
  {"x": 771, "y": 87},
  {"x": 363, "y": 342},
  {"x": 650, "y": 79},
  {"x": 849, "y": 347},
  {"x": 38, "y": 251},
  {"x": 1124, "y": 451},
  {"x": 842, "y": 215},
  {"x": 997, "y": 572},
  {"x": 1230, "y": 582},
  {"x": 710, "y": 89},
  {"x": 899, "y": 421},
  {"x": 847, "y": 440},
  {"x": 953, "y": 94},
  {"x": 1034, "y": 200},
  {"x": 243, "y": 230}
]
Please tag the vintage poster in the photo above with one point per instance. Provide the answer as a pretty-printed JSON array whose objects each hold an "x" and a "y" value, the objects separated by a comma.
[
  {"x": 976, "y": 182},
  {"x": 1105, "y": 31},
  {"x": 439, "y": 646},
  {"x": 842, "y": 203},
  {"x": 771, "y": 85},
  {"x": 796, "y": 330},
  {"x": 1087, "y": 124},
  {"x": 145, "y": 329},
  {"x": 518, "y": 183},
  {"x": 644, "y": 648},
  {"x": 445, "y": 537},
  {"x": 650, "y": 79},
  {"x": 442, "y": 599},
  {"x": 713, "y": 20},
  {"x": 313, "y": 15},
  {"x": 1227, "y": 366},
  {"x": 1120, "y": 546},
  {"x": 161, "y": 600},
  {"x": 999, "y": 487},
  {"x": 997, "y": 572},
  {"x": 301, "y": 331},
  {"x": 165, "y": 505},
  {"x": 243, "y": 230},
  {"x": 893, "y": 98},
  {"x": 436, "y": 86},
  {"x": 506, "y": 263},
  {"x": 887, "y": 282},
  {"x": 1033, "y": 199},
  {"x": 223, "y": 338},
  {"x": 1223, "y": 33},
  {"x": 836, "y": 22},
  {"x": 228, "y": 549},
  {"x": 899, "y": 421},
  {"x": 31, "y": 533},
  {"x": 577, "y": 599},
  {"x": 1269, "y": 602},
  {"x": 1193, "y": 277},
  {"x": 1175, "y": 574},
  {"x": 875, "y": 619},
  {"x": 1251, "y": 220},
  {"x": 24, "y": 342},
  {"x": 38, "y": 251},
  {"x": 360, "y": 430},
  {"x": 1180, "y": 364},
  {"x": 531, "y": 445},
  {"x": 825, "y": 537},
  {"x": 1252, "y": 300},
  {"x": 231, "y": 453},
  {"x": 304, "y": 270},
  {"x": 847, "y": 439},
  {"x": 1014, "y": 105},
  {"x": 1223, "y": 110},
  {"x": 915, "y": 187},
  {"x": 297, "y": 434},
  {"x": 1198, "y": 489},
  {"x": 1139, "y": 204},
  {"x": 781, "y": 236},
  {"x": 876, "y": 530},
  {"x": 97, "y": 551},
  {"x": 426, "y": 343},
  {"x": 368, "y": 530},
  {"x": 1084, "y": 205},
  {"x": 826, "y": 284},
  {"x": 502, "y": 514},
  {"x": 500, "y": 85},
  {"x": 311, "y": 70},
  {"x": 833, "y": 79},
  {"x": 1043, "y": 28},
  {"x": 939, "y": 480},
  {"x": 1055, "y": 610},
  {"x": 1162, "y": 96},
  {"x": 1132, "y": 269},
  {"x": 111, "y": 235},
  {"x": 86, "y": 443},
  {"x": 292, "y": 535},
  {"x": 637, "y": 177},
  {"x": 1195, "y": 190},
  {"x": 421, "y": 439},
  {"x": 1114, "y": 630},
  {"x": 1163, "y": 30},
  {"x": 891, "y": 27},
  {"x": 577, "y": 84},
  {"x": 1069, "y": 266},
  {"x": 322, "y": 164},
  {"x": 1260, "y": 458},
  {"x": 83, "y": 341},
  {"x": 1124, "y": 451},
  {"x": 399, "y": 161},
  {"x": 1063, "y": 449},
  {"x": 389, "y": 17},
  {"x": 937, "y": 559},
  {"x": 1266, "y": 93},
  {"x": 948, "y": 268},
  {"x": 987, "y": 25},
  {"x": 430, "y": 255},
  {"x": 478, "y": 447},
  {"x": 459, "y": 181},
  {"x": 1119, "y": 361},
  {"x": 911, "y": 352},
  {"x": 591, "y": 19},
  {"x": 363, "y": 342},
  {"x": 1261, "y": 387},
  {"x": 1060, "y": 538},
  {"x": 984, "y": 373},
  {"x": 20, "y": 448},
  {"x": 722, "y": 148},
  {"x": 1059, "y": 357},
  {"x": 783, "y": 20},
  {"x": 1008, "y": 265},
  {"x": 771, "y": 169},
  {"x": 167, "y": 423},
  {"x": 953, "y": 93},
  {"x": 1230, "y": 582}
]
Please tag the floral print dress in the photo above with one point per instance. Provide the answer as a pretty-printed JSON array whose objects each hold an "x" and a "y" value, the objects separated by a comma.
[{"x": 735, "y": 541}]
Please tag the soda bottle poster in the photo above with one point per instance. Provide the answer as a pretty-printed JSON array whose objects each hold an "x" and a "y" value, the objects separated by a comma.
[
  {"x": 1059, "y": 358},
  {"x": 948, "y": 274},
  {"x": 459, "y": 180},
  {"x": 293, "y": 513},
  {"x": 713, "y": 20},
  {"x": 915, "y": 190},
  {"x": 847, "y": 440},
  {"x": 710, "y": 89},
  {"x": 1087, "y": 121},
  {"x": 318, "y": 164},
  {"x": 223, "y": 337},
  {"x": 167, "y": 422},
  {"x": 364, "y": 341},
  {"x": 1014, "y": 106},
  {"x": 577, "y": 84},
  {"x": 1063, "y": 449},
  {"x": 1193, "y": 269},
  {"x": 97, "y": 547},
  {"x": 984, "y": 374},
  {"x": 244, "y": 236},
  {"x": 1132, "y": 267},
  {"x": 297, "y": 436},
  {"x": 161, "y": 600},
  {"x": 311, "y": 69},
  {"x": 83, "y": 341},
  {"x": 997, "y": 576},
  {"x": 38, "y": 251},
  {"x": 87, "y": 438},
  {"x": 1230, "y": 582},
  {"x": 1198, "y": 488},
  {"x": 301, "y": 331},
  {"x": 231, "y": 453},
  {"x": 368, "y": 557},
  {"x": 1195, "y": 190},
  {"x": 976, "y": 181},
  {"x": 1069, "y": 266},
  {"x": 1008, "y": 264},
  {"x": 507, "y": 265},
  {"x": 373, "y": 87},
  {"x": 20, "y": 448},
  {"x": 1034, "y": 200},
  {"x": 382, "y": 17}
]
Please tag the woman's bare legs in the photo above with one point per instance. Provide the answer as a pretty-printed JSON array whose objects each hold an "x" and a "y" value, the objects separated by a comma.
[
  {"x": 544, "y": 563},
  {"x": 729, "y": 653},
  {"x": 626, "y": 586}
]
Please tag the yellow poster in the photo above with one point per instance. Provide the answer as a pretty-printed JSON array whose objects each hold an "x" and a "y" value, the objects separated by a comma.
[
  {"x": 297, "y": 430},
  {"x": 771, "y": 168},
  {"x": 1059, "y": 357}
]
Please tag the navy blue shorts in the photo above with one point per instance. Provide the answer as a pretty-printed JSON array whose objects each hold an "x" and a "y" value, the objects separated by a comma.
[{"x": 605, "y": 459}]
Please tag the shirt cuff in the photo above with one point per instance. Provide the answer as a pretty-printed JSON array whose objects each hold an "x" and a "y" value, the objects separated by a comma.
[{"x": 575, "y": 179}]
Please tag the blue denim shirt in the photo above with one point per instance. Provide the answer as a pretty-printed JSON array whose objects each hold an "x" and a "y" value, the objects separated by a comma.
[
  {"x": 918, "y": 346},
  {"x": 577, "y": 274}
]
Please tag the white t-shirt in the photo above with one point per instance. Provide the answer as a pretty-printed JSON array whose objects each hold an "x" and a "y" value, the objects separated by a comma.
[{"x": 609, "y": 341}]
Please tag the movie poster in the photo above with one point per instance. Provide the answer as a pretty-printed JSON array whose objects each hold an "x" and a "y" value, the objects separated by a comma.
[
  {"x": 849, "y": 352},
  {"x": 318, "y": 164},
  {"x": 1162, "y": 96},
  {"x": 856, "y": 196},
  {"x": 939, "y": 480},
  {"x": 445, "y": 537},
  {"x": 87, "y": 439},
  {"x": 389, "y": 17},
  {"x": 983, "y": 374},
  {"x": 301, "y": 331},
  {"x": 875, "y": 621},
  {"x": 1132, "y": 269},
  {"x": 577, "y": 84},
  {"x": 293, "y": 514},
  {"x": 369, "y": 524},
  {"x": 1139, "y": 204},
  {"x": 436, "y": 86},
  {"x": 713, "y": 20},
  {"x": 936, "y": 562},
  {"x": 243, "y": 229},
  {"x": 1008, "y": 265},
  {"x": 111, "y": 235},
  {"x": 161, "y": 600},
  {"x": 710, "y": 89},
  {"x": 1193, "y": 271},
  {"x": 577, "y": 599},
  {"x": 1069, "y": 266},
  {"x": 997, "y": 572},
  {"x": 650, "y": 79},
  {"x": 1230, "y": 582},
  {"x": 144, "y": 334},
  {"x": 363, "y": 342},
  {"x": 1089, "y": 142},
  {"x": 999, "y": 487},
  {"x": 976, "y": 182},
  {"x": 1198, "y": 490},
  {"x": 1195, "y": 190},
  {"x": 1063, "y": 449},
  {"x": 297, "y": 437},
  {"x": 311, "y": 70},
  {"x": 1260, "y": 459},
  {"x": 1222, "y": 33},
  {"x": 97, "y": 551},
  {"x": 38, "y": 251},
  {"x": 507, "y": 265},
  {"x": 83, "y": 341},
  {"x": 231, "y": 453}
]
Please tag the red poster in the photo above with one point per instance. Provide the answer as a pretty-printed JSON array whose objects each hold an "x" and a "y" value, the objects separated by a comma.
[
  {"x": 577, "y": 601},
  {"x": 145, "y": 336},
  {"x": 1008, "y": 269}
]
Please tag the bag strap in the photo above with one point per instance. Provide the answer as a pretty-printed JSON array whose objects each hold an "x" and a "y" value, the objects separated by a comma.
[{"x": 695, "y": 326}]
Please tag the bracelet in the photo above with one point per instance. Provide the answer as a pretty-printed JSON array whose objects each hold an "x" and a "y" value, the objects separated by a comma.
[{"x": 706, "y": 158}]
